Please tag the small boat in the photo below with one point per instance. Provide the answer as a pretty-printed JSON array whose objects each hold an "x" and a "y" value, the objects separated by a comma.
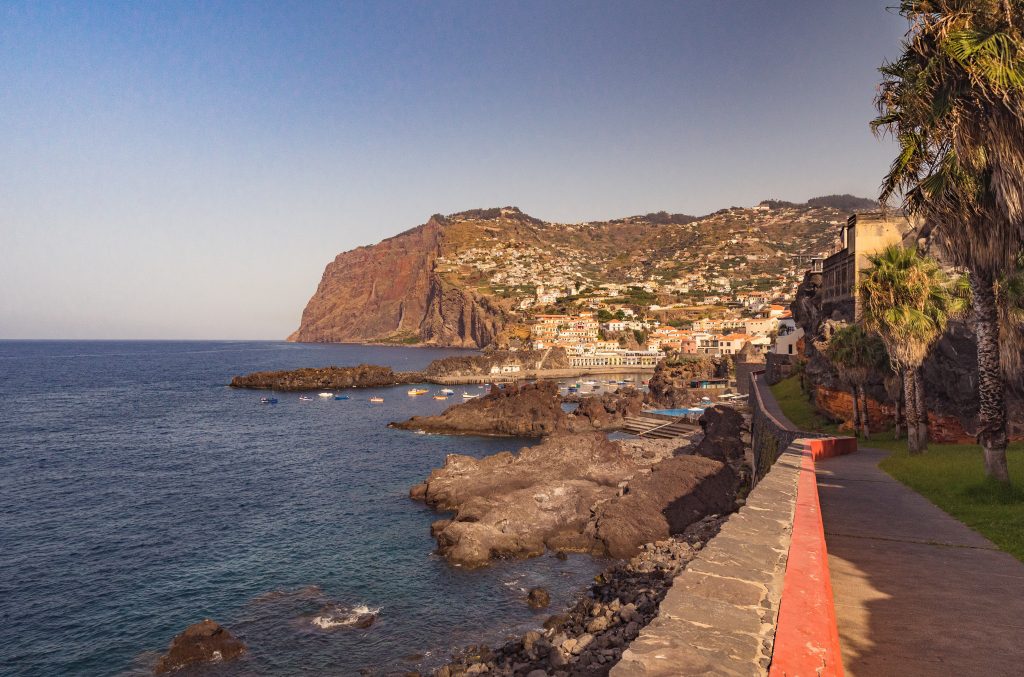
[
  {"x": 305, "y": 398},
  {"x": 467, "y": 396},
  {"x": 376, "y": 399},
  {"x": 440, "y": 397},
  {"x": 447, "y": 391},
  {"x": 268, "y": 400},
  {"x": 413, "y": 392},
  {"x": 326, "y": 395},
  {"x": 590, "y": 383},
  {"x": 341, "y": 397}
]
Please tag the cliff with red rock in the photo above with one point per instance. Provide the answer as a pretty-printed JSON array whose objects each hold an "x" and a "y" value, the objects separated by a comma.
[{"x": 391, "y": 292}]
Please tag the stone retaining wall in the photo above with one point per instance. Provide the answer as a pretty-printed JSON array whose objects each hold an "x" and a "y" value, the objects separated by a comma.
[
  {"x": 757, "y": 600},
  {"x": 719, "y": 616}
]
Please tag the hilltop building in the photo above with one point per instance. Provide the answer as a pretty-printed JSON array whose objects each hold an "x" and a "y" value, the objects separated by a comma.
[{"x": 865, "y": 233}]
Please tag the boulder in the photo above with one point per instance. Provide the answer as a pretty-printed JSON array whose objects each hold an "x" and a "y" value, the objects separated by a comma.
[
  {"x": 538, "y": 598},
  {"x": 203, "y": 642},
  {"x": 532, "y": 410}
]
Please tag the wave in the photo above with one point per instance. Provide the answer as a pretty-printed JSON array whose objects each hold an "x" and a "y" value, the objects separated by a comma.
[{"x": 338, "y": 616}]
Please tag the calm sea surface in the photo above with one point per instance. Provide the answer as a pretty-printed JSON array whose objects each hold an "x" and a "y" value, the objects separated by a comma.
[{"x": 138, "y": 494}]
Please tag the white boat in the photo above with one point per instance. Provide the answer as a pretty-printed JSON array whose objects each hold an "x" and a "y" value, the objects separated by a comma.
[
  {"x": 447, "y": 391},
  {"x": 305, "y": 398},
  {"x": 467, "y": 396},
  {"x": 376, "y": 399},
  {"x": 326, "y": 395}
]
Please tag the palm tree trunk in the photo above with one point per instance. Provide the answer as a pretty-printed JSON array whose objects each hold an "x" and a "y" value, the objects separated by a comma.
[
  {"x": 922, "y": 411},
  {"x": 991, "y": 397},
  {"x": 856, "y": 411},
  {"x": 910, "y": 402},
  {"x": 898, "y": 416},
  {"x": 864, "y": 418}
]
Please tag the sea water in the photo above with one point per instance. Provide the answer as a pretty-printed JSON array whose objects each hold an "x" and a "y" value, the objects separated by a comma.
[{"x": 140, "y": 494}]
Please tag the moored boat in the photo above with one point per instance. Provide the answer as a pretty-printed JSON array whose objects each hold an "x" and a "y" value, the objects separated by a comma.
[
  {"x": 376, "y": 399},
  {"x": 268, "y": 400},
  {"x": 326, "y": 395},
  {"x": 305, "y": 398},
  {"x": 447, "y": 391},
  {"x": 341, "y": 397},
  {"x": 440, "y": 397},
  {"x": 468, "y": 396},
  {"x": 413, "y": 392}
]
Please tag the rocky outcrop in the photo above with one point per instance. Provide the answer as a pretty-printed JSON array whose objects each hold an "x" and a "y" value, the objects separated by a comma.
[
  {"x": 481, "y": 365},
  {"x": 677, "y": 492},
  {"x": 203, "y": 642},
  {"x": 607, "y": 411},
  {"x": 326, "y": 378},
  {"x": 574, "y": 492},
  {"x": 591, "y": 635},
  {"x": 392, "y": 292},
  {"x": 669, "y": 386},
  {"x": 531, "y": 410}
]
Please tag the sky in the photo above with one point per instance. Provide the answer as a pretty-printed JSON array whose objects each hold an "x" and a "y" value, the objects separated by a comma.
[{"x": 177, "y": 170}]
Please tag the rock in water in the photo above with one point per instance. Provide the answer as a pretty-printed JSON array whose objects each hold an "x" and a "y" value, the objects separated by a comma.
[
  {"x": 538, "y": 598},
  {"x": 201, "y": 642},
  {"x": 532, "y": 410}
]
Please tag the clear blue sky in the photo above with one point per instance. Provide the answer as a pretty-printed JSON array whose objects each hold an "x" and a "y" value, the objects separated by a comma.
[{"x": 180, "y": 170}]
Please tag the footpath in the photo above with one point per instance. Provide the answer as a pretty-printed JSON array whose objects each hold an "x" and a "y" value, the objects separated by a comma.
[{"x": 916, "y": 592}]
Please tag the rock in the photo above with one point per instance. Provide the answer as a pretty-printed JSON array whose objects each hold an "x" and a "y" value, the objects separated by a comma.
[
  {"x": 676, "y": 493},
  {"x": 561, "y": 555},
  {"x": 538, "y": 598},
  {"x": 555, "y": 621},
  {"x": 582, "y": 642},
  {"x": 537, "y": 673},
  {"x": 607, "y": 411},
  {"x": 669, "y": 386},
  {"x": 326, "y": 378},
  {"x": 532, "y": 410},
  {"x": 364, "y": 621},
  {"x": 723, "y": 436},
  {"x": 599, "y": 624},
  {"x": 201, "y": 642}
]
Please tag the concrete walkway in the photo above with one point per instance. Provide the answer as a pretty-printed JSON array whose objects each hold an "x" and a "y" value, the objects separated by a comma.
[{"x": 916, "y": 592}]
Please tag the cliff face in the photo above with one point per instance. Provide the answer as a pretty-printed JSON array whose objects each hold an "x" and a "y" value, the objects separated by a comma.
[{"x": 391, "y": 292}]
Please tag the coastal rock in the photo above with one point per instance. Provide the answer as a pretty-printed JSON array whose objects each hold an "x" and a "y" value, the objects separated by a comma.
[
  {"x": 669, "y": 386},
  {"x": 326, "y": 378},
  {"x": 677, "y": 492},
  {"x": 203, "y": 642},
  {"x": 531, "y": 410},
  {"x": 538, "y": 598},
  {"x": 564, "y": 494},
  {"x": 607, "y": 411},
  {"x": 482, "y": 364}
]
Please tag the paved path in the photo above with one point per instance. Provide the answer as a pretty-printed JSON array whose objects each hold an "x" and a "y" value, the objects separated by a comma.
[{"x": 916, "y": 592}]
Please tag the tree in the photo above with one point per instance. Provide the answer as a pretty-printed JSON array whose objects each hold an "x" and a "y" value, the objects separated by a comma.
[
  {"x": 908, "y": 300},
  {"x": 954, "y": 101},
  {"x": 858, "y": 356}
]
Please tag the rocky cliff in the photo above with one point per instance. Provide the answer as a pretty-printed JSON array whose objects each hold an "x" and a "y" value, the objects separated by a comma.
[{"x": 391, "y": 292}]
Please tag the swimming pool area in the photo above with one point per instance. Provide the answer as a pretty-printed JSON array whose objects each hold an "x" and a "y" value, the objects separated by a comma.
[{"x": 678, "y": 412}]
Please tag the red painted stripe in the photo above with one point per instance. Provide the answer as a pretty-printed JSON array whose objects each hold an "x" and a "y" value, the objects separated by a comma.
[{"x": 806, "y": 638}]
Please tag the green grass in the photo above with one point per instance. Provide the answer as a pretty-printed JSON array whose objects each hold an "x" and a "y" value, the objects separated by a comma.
[{"x": 952, "y": 476}]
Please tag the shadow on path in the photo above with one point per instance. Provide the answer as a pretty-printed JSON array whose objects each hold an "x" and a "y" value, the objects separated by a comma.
[{"x": 916, "y": 591}]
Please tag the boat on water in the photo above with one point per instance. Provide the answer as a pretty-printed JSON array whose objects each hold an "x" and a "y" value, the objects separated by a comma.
[
  {"x": 326, "y": 395},
  {"x": 447, "y": 391},
  {"x": 413, "y": 392},
  {"x": 468, "y": 396},
  {"x": 305, "y": 398},
  {"x": 440, "y": 397},
  {"x": 268, "y": 400},
  {"x": 590, "y": 383},
  {"x": 376, "y": 399},
  {"x": 341, "y": 397}
]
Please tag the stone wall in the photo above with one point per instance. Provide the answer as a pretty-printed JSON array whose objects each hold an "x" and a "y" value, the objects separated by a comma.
[
  {"x": 777, "y": 367},
  {"x": 719, "y": 617}
]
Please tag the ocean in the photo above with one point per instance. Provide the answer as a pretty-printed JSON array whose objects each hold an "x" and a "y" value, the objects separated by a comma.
[{"x": 140, "y": 494}]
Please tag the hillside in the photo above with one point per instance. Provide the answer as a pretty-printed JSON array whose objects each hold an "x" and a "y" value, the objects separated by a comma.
[{"x": 458, "y": 279}]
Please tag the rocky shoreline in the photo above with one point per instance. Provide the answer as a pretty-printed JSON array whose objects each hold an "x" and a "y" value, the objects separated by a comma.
[{"x": 589, "y": 638}]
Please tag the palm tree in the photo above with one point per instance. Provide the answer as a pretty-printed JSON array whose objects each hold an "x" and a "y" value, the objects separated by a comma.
[
  {"x": 954, "y": 101},
  {"x": 858, "y": 357},
  {"x": 908, "y": 300}
]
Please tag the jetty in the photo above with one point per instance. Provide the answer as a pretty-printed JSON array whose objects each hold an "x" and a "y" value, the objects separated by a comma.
[{"x": 660, "y": 426}]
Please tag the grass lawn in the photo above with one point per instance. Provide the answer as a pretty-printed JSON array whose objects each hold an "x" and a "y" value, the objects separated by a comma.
[{"x": 952, "y": 476}]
